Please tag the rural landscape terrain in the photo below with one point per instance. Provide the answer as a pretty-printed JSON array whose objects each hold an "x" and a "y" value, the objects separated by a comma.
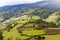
[{"x": 34, "y": 21}]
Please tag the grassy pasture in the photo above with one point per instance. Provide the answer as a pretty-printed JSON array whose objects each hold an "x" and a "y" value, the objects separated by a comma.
[{"x": 53, "y": 37}]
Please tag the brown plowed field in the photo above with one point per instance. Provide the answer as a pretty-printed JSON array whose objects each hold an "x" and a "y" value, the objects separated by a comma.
[{"x": 52, "y": 31}]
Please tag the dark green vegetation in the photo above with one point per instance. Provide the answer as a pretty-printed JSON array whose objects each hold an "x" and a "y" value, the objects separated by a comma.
[{"x": 28, "y": 24}]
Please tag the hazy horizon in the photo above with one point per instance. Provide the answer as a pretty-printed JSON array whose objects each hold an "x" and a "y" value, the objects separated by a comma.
[{"x": 15, "y": 2}]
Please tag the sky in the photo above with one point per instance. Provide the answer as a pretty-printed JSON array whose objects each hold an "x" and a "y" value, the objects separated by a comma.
[{"x": 14, "y": 2}]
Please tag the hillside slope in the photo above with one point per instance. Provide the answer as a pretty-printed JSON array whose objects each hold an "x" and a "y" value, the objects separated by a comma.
[{"x": 54, "y": 18}]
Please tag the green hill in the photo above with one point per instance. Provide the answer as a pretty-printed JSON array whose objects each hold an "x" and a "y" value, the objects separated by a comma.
[{"x": 54, "y": 18}]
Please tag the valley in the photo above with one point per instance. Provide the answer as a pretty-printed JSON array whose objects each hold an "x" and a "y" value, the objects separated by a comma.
[{"x": 35, "y": 21}]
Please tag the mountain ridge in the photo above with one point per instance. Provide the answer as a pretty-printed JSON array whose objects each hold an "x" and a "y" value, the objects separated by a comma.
[{"x": 41, "y": 4}]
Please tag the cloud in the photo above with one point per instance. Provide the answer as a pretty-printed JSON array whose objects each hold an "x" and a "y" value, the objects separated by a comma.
[
  {"x": 55, "y": 1},
  {"x": 14, "y": 2}
]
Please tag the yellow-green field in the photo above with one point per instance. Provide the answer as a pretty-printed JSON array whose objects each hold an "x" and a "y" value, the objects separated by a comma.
[{"x": 53, "y": 37}]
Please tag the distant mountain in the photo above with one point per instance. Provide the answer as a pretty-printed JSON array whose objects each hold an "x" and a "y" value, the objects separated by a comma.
[
  {"x": 21, "y": 6},
  {"x": 41, "y": 4}
]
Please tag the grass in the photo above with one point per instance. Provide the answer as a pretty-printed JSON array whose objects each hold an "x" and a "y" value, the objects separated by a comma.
[
  {"x": 35, "y": 17},
  {"x": 13, "y": 33},
  {"x": 53, "y": 37},
  {"x": 33, "y": 32}
]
